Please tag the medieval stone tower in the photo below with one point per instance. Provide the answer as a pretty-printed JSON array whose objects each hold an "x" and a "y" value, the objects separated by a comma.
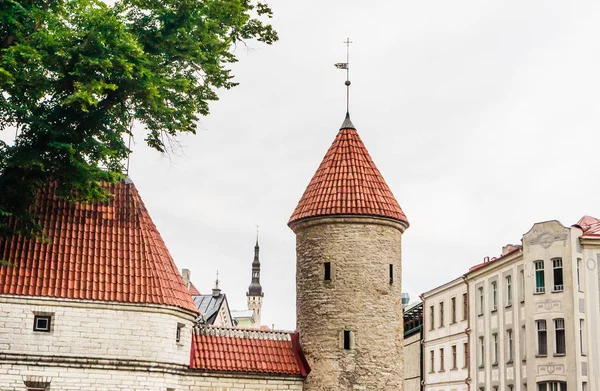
[
  {"x": 255, "y": 294},
  {"x": 348, "y": 228}
]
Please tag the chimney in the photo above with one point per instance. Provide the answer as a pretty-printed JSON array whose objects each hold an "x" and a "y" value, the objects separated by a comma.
[
  {"x": 186, "y": 274},
  {"x": 509, "y": 248}
]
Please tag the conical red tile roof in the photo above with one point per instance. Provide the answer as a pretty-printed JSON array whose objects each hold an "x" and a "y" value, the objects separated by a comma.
[
  {"x": 108, "y": 251},
  {"x": 348, "y": 183}
]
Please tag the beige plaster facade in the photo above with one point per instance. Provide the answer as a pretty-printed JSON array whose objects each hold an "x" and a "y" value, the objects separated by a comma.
[
  {"x": 533, "y": 316},
  {"x": 445, "y": 337},
  {"x": 359, "y": 301}
]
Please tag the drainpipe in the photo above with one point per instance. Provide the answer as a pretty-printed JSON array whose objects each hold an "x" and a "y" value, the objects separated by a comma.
[
  {"x": 468, "y": 332},
  {"x": 422, "y": 363}
]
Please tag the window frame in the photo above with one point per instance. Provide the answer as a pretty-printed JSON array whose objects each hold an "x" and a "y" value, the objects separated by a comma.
[
  {"x": 557, "y": 273},
  {"x": 327, "y": 275},
  {"x": 541, "y": 332},
  {"x": 453, "y": 309},
  {"x": 540, "y": 277},
  {"x": 510, "y": 345},
  {"x": 40, "y": 317},
  {"x": 509, "y": 295},
  {"x": 495, "y": 342},
  {"x": 558, "y": 322},
  {"x": 441, "y": 314},
  {"x": 454, "y": 357},
  {"x": 494, "y": 285},
  {"x": 481, "y": 300}
]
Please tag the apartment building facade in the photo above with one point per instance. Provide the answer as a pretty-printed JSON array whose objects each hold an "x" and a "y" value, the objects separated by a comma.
[
  {"x": 446, "y": 337},
  {"x": 532, "y": 316}
]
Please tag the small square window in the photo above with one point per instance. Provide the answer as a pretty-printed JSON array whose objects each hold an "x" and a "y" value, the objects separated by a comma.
[{"x": 42, "y": 323}]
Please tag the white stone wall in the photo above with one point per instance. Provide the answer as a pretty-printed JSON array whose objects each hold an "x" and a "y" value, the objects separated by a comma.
[
  {"x": 95, "y": 330},
  {"x": 75, "y": 379}
]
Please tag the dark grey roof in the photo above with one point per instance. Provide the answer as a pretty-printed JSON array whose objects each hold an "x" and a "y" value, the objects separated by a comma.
[{"x": 209, "y": 306}]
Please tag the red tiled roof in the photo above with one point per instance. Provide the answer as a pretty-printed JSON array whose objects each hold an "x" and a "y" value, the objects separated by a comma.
[
  {"x": 348, "y": 183},
  {"x": 193, "y": 290},
  {"x": 247, "y": 350},
  {"x": 107, "y": 251},
  {"x": 589, "y": 225}
]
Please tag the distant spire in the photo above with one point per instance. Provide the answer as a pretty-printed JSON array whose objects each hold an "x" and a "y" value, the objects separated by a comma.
[
  {"x": 255, "y": 289},
  {"x": 216, "y": 290}
]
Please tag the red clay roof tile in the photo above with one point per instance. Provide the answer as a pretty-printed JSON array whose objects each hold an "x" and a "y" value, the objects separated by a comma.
[
  {"x": 103, "y": 251},
  {"x": 246, "y": 350},
  {"x": 589, "y": 225},
  {"x": 348, "y": 183}
]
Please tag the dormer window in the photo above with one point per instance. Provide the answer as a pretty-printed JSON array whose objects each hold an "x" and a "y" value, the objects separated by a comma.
[{"x": 42, "y": 323}]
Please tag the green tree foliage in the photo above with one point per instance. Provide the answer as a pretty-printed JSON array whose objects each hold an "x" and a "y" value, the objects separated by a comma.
[{"x": 75, "y": 73}]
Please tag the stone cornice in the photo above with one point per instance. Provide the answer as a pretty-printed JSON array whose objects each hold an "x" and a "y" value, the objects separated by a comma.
[
  {"x": 131, "y": 366},
  {"x": 348, "y": 219}
]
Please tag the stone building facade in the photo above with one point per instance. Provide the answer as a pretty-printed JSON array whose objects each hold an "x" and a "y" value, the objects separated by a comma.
[{"x": 349, "y": 228}]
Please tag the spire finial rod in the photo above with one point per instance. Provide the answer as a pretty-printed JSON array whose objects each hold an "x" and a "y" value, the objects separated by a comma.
[
  {"x": 346, "y": 66},
  {"x": 347, "y": 42}
]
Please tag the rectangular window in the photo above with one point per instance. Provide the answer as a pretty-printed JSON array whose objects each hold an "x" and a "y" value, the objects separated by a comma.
[
  {"x": 391, "y": 273},
  {"x": 558, "y": 274},
  {"x": 494, "y": 296},
  {"x": 542, "y": 338},
  {"x": 559, "y": 336},
  {"x": 42, "y": 323},
  {"x": 584, "y": 386},
  {"x": 454, "y": 357},
  {"x": 509, "y": 340},
  {"x": 508, "y": 291},
  {"x": 540, "y": 283},
  {"x": 178, "y": 332},
  {"x": 523, "y": 344},
  {"x": 495, "y": 347},
  {"x": 453, "y": 302},
  {"x": 481, "y": 303},
  {"x": 465, "y": 306},
  {"x": 441, "y": 314},
  {"x": 522, "y": 293},
  {"x": 481, "y": 352},
  {"x": 441, "y": 359},
  {"x": 347, "y": 344},
  {"x": 582, "y": 337},
  {"x": 327, "y": 271},
  {"x": 431, "y": 318},
  {"x": 579, "y": 285},
  {"x": 432, "y": 361},
  {"x": 465, "y": 355}
]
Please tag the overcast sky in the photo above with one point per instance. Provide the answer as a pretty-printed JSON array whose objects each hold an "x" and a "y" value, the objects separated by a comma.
[{"x": 482, "y": 116}]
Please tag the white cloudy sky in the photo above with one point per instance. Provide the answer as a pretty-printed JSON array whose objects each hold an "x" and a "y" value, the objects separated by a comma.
[{"x": 483, "y": 117}]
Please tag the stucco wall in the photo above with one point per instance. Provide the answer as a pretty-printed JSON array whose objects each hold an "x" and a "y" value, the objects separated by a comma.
[
  {"x": 359, "y": 298},
  {"x": 95, "y": 330}
]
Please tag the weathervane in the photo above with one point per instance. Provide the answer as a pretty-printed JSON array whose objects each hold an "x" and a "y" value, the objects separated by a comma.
[{"x": 346, "y": 66}]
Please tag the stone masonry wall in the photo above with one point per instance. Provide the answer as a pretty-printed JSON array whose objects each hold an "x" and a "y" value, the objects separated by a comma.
[
  {"x": 359, "y": 298},
  {"x": 95, "y": 330},
  {"x": 412, "y": 363},
  {"x": 84, "y": 379}
]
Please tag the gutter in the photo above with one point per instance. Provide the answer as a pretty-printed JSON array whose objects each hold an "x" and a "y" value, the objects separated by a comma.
[{"x": 468, "y": 333}]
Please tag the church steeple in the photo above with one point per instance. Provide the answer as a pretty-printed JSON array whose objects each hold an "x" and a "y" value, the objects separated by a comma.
[
  {"x": 255, "y": 293},
  {"x": 255, "y": 289}
]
